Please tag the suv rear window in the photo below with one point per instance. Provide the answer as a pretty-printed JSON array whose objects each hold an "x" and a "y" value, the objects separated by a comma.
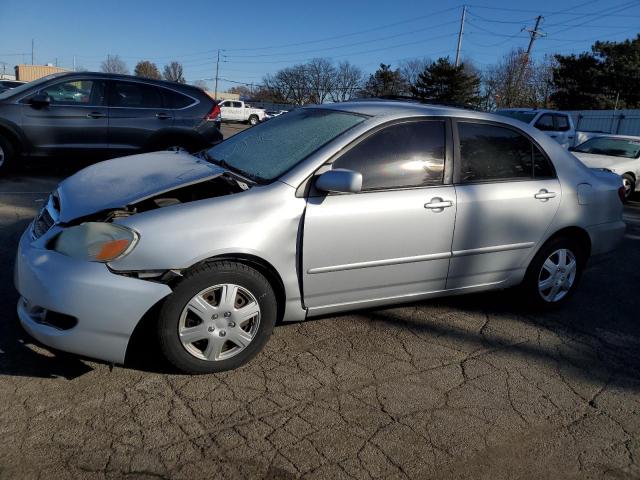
[
  {"x": 173, "y": 99},
  {"x": 134, "y": 95}
]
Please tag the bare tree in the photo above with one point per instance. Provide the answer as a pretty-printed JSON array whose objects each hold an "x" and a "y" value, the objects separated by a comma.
[
  {"x": 241, "y": 90},
  {"x": 200, "y": 84},
  {"x": 114, "y": 64},
  {"x": 290, "y": 83},
  {"x": 518, "y": 81},
  {"x": 348, "y": 80},
  {"x": 146, "y": 69},
  {"x": 173, "y": 72},
  {"x": 410, "y": 69},
  {"x": 320, "y": 74}
]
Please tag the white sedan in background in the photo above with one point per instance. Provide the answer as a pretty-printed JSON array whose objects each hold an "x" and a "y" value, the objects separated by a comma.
[{"x": 617, "y": 153}]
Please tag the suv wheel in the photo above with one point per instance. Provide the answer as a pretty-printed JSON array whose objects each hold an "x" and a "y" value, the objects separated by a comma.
[
  {"x": 217, "y": 318},
  {"x": 629, "y": 184},
  {"x": 554, "y": 273},
  {"x": 6, "y": 156}
]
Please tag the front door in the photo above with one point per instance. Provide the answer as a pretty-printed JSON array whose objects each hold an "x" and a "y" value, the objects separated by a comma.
[
  {"x": 507, "y": 196},
  {"x": 75, "y": 121},
  {"x": 393, "y": 239},
  {"x": 136, "y": 115}
]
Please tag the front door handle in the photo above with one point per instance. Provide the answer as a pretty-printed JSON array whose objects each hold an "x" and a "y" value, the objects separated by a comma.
[
  {"x": 438, "y": 204},
  {"x": 163, "y": 116},
  {"x": 544, "y": 194},
  {"x": 96, "y": 115}
]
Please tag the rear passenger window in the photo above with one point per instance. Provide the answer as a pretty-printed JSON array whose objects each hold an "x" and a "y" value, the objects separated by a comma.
[
  {"x": 135, "y": 95},
  {"x": 562, "y": 123},
  {"x": 489, "y": 152},
  {"x": 405, "y": 155},
  {"x": 174, "y": 99},
  {"x": 545, "y": 122}
]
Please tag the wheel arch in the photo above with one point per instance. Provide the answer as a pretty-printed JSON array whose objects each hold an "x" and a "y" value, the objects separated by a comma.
[
  {"x": 12, "y": 137},
  {"x": 259, "y": 264},
  {"x": 578, "y": 234}
]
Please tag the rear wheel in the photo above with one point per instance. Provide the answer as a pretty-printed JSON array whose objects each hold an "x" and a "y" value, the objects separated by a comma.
[
  {"x": 554, "y": 273},
  {"x": 629, "y": 184},
  {"x": 7, "y": 155},
  {"x": 253, "y": 120},
  {"x": 218, "y": 318}
]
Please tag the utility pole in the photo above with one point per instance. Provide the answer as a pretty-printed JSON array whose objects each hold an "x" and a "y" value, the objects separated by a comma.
[
  {"x": 534, "y": 34},
  {"x": 32, "y": 51},
  {"x": 464, "y": 14},
  {"x": 215, "y": 93}
]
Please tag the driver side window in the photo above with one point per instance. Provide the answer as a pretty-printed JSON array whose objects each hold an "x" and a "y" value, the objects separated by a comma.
[
  {"x": 409, "y": 154},
  {"x": 76, "y": 92}
]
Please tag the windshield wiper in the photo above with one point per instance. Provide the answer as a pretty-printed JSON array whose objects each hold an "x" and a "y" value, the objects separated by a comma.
[{"x": 230, "y": 168}]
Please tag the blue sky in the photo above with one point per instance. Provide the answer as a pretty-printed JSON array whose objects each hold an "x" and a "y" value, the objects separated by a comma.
[{"x": 259, "y": 37}]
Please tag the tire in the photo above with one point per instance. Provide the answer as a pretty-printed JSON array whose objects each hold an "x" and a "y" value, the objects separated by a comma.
[
  {"x": 567, "y": 276},
  {"x": 253, "y": 120},
  {"x": 200, "y": 332},
  {"x": 629, "y": 184},
  {"x": 174, "y": 144},
  {"x": 7, "y": 156}
]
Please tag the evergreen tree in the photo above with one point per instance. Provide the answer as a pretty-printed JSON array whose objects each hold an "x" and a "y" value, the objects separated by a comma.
[{"x": 441, "y": 81}]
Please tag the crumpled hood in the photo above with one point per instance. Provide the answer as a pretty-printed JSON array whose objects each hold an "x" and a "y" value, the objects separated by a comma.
[
  {"x": 593, "y": 160},
  {"x": 122, "y": 181}
]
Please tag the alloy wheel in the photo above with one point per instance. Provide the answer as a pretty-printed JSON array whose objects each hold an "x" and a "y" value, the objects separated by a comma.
[
  {"x": 219, "y": 322},
  {"x": 628, "y": 185},
  {"x": 557, "y": 275}
]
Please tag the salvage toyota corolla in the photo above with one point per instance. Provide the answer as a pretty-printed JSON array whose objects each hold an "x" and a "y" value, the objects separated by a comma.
[{"x": 322, "y": 210}]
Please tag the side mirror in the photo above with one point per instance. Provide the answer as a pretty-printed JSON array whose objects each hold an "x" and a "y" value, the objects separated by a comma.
[
  {"x": 40, "y": 100},
  {"x": 340, "y": 180}
]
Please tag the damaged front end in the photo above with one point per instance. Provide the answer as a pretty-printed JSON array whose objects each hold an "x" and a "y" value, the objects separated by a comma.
[{"x": 82, "y": 218}]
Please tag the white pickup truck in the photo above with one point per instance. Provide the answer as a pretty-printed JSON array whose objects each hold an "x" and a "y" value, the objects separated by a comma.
[
  {"x": 558, "y": 125},
  {"x": 238, "y": 111}
]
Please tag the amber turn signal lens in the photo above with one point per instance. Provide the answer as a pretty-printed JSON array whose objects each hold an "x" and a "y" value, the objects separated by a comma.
[{"x": 112, "y": 249}]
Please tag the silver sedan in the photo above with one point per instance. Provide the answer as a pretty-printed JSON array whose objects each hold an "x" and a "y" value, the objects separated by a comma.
[{"x": 323, "y": 210}]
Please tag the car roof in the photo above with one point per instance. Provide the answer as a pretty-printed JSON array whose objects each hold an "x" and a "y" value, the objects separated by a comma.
[
  {"x": 394, "y": 108},
  {"x": 615, "y": 136},
  {"x": 120, "y": 76}
]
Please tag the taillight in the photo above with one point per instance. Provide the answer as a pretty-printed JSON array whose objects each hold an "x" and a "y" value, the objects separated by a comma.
[
  {"x": 214, "y": 114},
  {"x": 621, "y": 193}
]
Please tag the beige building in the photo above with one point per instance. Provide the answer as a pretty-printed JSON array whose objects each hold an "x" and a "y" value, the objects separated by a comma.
[
  {"x": 223, "y": 95},
  {"x": 27, "y": 73}
]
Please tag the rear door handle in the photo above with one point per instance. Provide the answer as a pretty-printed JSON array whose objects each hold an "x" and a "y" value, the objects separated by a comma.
[
  {"x": 96, "y": 115},
  {"x": 162, "y": 116},
  {"x": 438, "y": 204},
  {"x": 544, "y": 194}
]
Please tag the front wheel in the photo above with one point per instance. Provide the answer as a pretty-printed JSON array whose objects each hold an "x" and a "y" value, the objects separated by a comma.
[
  {"x": 6, "y": 156},
  {"x": 217, "y": 318},
  {"x": 554, "y": 273},
  {"x": 253, "y": 120},
  {"x": 629, "y": 184}
]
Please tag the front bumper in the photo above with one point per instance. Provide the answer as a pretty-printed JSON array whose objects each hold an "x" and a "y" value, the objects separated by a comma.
[{"x": 107, "y": 306}]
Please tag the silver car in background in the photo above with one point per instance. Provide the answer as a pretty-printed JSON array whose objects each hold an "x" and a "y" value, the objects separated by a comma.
[{"x": 323, "y": 210}]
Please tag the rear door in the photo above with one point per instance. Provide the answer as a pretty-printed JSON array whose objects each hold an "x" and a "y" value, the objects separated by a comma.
[
  {"x": 136, "y": 114},
  {"x": 75, "y": 121},
  {"x": 393, "y": 239},
  {"x": 564, "y": 134},
  {"x": 507, "y": 195}
]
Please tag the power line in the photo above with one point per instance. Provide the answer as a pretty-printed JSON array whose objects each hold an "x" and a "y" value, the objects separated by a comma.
[
  {"x": 339, "y": 47},
  {"x": 336, "y": 37},
  {"x": 351, "y": 53}
]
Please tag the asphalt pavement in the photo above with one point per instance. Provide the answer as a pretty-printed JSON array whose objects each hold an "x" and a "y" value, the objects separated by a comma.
[{"x": 465, "y": 387}]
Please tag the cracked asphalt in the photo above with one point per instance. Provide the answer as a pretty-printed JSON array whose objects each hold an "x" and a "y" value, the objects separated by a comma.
[{"x": 464, "y": 387}]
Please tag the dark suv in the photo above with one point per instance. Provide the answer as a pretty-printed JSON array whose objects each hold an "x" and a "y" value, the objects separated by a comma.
[{"x": 101, "y": 115}]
